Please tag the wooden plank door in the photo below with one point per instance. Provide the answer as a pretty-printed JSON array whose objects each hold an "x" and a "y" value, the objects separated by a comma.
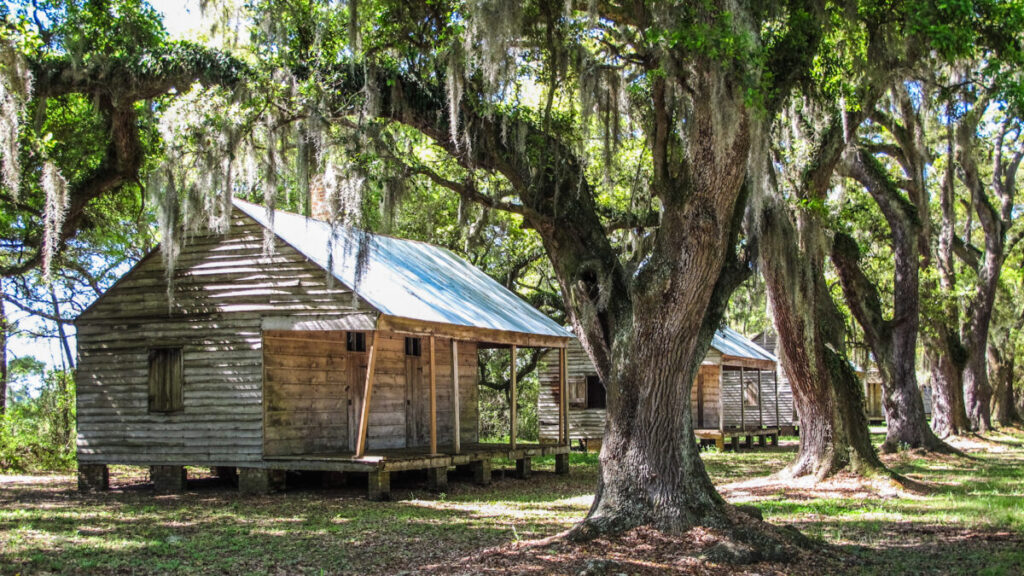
[
  {"x": 417, "y": 401},
  {"x": 356, "y": 389}
]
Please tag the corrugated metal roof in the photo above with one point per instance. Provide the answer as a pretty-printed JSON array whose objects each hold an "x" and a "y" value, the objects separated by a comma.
[
  {"x": 406, "y": 278},
  {"x": 732, "y": 343}
]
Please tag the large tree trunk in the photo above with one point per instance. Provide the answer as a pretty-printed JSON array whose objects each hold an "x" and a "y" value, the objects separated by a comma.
[
  {"x": 827, "y": 394},
  {"x": 946, "y": 358},
  {"x": 977, "y": 390},
  {"x": 1001, "y": 369},
  {"x": 892, "y": 342}
]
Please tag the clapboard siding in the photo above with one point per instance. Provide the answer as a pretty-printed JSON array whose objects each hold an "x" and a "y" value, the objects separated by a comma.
[
  {"x": 224, "y": 285},
  {"x": 787, "y": 415},
  {"x": 584, "y": 424}
]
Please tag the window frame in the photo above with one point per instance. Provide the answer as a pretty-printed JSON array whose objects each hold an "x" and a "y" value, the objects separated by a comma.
[
  {"x": 413, "y": 346},
  {"x": 355, "y": 341},
  {"x": 162, "y": 396},
  {"x": 593, "y": 382}
]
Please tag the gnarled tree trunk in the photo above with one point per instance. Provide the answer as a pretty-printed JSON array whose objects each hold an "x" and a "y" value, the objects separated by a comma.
[
  {"x": 826, "y": 392},
  {"x": 893, "y": 342},
  {"x": 946, "y": 358},
  {"x": 1001, "y": 369}
]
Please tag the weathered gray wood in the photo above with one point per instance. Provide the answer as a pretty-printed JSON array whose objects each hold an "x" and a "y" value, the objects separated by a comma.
[{"x": 223, "y": 286}]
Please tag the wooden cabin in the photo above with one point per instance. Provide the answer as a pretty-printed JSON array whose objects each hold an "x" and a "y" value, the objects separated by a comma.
[
  {"x": 736, "y": 395},
  {"x": 337, "y": 351}
]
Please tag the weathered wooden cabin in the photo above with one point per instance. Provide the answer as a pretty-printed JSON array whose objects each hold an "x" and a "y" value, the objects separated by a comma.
[
  {"x": 338, "y": 350},
  {"x": 736, "y": 395}
]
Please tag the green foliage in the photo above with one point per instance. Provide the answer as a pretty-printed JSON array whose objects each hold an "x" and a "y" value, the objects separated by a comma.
[{"x": 37, "y": 432}]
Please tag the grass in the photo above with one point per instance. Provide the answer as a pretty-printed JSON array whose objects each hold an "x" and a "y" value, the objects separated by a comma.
[{"x": 971, "y": 521}]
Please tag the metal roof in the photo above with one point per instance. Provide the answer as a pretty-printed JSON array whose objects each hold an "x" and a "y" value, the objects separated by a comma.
[
  {"x": 406, "y": 278},
  {"x": 732, "y": 343}
]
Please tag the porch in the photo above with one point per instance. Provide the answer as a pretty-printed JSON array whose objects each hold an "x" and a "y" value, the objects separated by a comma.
[{"x": 379, "y": 464}]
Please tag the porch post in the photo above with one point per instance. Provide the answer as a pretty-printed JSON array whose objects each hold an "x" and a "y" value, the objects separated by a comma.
[
  {"x": 760, "y": 411},
  {"x": 433, "y": 400},
  {"x": 775, "y": 380},
  {"x": 561, "y": 395},
  {"x": 743, "y": 402},
  {"x": 456, "y": 417},
  {"x": 364, "y": 418},
  {"x": 512, "y": 402}
]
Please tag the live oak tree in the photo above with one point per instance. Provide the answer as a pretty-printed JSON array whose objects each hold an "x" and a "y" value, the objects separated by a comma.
[
  {"x": 696, "y": 84},
  {"x": 903, "y": 200}
]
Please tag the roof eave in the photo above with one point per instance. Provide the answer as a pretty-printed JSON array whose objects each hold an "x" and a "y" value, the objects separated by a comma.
[{"x": 470, "y": 333}]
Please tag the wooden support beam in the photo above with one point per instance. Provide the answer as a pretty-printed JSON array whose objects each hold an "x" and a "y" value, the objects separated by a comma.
[
  {"x": 775, "y": 379},
  {"x": 743, "y": 401},
  {"x": 563, "y": 415},
  {"x": 433, "y": 399},
  {"x": 364, "y": 418},
  {"x": 513, "y": 427},
  {"x": 760, "y": 407},
  {"x": 456, "y": 416}
]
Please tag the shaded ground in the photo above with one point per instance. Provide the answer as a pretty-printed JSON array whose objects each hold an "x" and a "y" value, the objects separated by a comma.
[{"x": 970, "y": 521}]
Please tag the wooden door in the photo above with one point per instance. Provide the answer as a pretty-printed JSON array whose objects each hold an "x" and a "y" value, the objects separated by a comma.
[
  {"x": 417, "y": 401},
  {"x": 356, "y": 389}
]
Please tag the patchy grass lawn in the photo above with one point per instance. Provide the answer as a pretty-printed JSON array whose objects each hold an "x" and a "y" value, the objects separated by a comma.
[{"x": 969, "y": 521}]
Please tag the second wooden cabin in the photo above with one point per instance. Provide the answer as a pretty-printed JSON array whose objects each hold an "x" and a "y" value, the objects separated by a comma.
[{"x": 736, "y": 394}]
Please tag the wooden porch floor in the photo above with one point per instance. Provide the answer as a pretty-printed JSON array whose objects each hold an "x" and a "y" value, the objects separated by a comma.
[{"x": 417, "y": 458}]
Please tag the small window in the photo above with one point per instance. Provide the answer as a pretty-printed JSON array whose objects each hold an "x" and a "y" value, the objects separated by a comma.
[
  {"x": 595, "y": 393},
  {"x": 413, "y": 347},
  {"x": 355, "y": 341},
  {"x": 165, "y": 380}
]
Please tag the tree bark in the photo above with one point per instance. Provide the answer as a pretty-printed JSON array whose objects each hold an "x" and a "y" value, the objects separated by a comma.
[
  {"x": 946, "y": 358},
  {"x": 1001, "y": 369},
  {"x": 892, "y": 342}
]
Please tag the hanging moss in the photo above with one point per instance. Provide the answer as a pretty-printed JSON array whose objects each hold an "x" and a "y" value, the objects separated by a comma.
[{"x": 15, "y": 91}]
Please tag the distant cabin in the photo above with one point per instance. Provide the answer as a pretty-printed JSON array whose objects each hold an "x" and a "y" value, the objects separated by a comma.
[
  {"x": 736, "y": 394},
  {"x": 337, "y": 351}
]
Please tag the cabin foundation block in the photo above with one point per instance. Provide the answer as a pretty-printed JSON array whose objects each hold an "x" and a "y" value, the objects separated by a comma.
[
  {"x": 762, "y": 441},
  {"x": 254, "y": 481},
  {"x": 168, "y": 479},
  {"x": 437, "y": 479},
  {"x": 93, "y": 477},
  {"x": 775, "y": 439},
  {"x": 378, "y": 485},
  {"x": 482, "y": 472},
  {"x": 561, "y": 463},
  {"x": 524, "y": 468}
]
